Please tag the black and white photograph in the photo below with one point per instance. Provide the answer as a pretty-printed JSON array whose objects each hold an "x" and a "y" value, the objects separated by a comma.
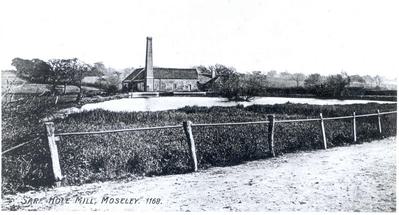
[{"x": 199, "y": 105}]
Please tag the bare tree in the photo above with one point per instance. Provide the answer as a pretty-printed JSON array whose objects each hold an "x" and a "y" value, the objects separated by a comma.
[
  {"x": 68, "y": 71},
  {"x": 336, "y": 84},
  {"x": 313, "y": 80},
  {"x": 298, "y": 78},
  {"x": 378, "y": 81}
]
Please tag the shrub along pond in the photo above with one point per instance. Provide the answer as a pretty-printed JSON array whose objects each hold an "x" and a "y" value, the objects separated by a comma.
[{"x": 100, "y": 157}]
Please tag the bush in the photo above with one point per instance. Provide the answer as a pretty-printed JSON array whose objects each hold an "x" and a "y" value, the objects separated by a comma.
[{"x": 111, "y": 89}]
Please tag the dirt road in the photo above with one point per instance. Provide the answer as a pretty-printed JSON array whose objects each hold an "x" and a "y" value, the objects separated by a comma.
[{"x": 355, "y": 178}]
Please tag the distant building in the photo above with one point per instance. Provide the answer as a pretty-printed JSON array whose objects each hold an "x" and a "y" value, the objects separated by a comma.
[{"x": 150, "y": 79}]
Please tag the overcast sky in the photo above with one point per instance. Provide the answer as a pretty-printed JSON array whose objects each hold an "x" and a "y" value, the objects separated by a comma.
[{"x": 360, "y": 37}]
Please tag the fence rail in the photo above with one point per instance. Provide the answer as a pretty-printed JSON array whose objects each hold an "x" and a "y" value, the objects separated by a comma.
[
  {"x": 19, "y": 145},
  {"x": 297, "y": 120},
  {"x": 52, "y": 136},
  {"x": 229, "y": 123},
  {"x": 338, "y": 117},
  {"x": 118, "y": 130},
  {"x": 219, "y": 124}
]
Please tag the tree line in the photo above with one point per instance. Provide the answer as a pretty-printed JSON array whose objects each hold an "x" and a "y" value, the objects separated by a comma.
[
  {"x": 229, "y": 83},
  {"x": 240, "y": 86},
  {"x": 64, "y": 72}
]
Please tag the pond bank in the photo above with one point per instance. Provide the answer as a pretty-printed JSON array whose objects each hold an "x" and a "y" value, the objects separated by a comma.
[{"x": 122, "y": 103}]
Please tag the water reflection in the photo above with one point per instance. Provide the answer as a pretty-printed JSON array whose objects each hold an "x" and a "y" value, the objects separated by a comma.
[{"x": 176, "y": 102}]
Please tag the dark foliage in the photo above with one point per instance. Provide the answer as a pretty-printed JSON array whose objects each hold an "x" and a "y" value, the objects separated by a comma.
[
  {"x": 90, "y": 158},
  {"x": 381, "y": 92},
  {"x": 27, "y": 166}
]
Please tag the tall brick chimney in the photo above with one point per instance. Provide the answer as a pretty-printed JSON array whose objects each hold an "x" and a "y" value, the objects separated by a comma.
[{"x": 149, "y": 70}]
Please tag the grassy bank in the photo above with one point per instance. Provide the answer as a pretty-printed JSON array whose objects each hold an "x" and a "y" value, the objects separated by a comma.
[{"x": 102, "y": 157}]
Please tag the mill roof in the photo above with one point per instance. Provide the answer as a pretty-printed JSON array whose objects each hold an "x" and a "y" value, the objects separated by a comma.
[
  {"x": 164, "y": 73},
  {"x": 137, "y": 74}
]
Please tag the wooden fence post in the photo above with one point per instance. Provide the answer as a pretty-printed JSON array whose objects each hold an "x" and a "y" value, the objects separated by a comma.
[
  {"x": 323, "y": 132},
  {"x": 379, "y": 121},
  {"x": 190, "y": 140},
  {"x": 54, "y": 153},
  {"x": 354, "y": 127},
  {"x": 271, "y": 134}
]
